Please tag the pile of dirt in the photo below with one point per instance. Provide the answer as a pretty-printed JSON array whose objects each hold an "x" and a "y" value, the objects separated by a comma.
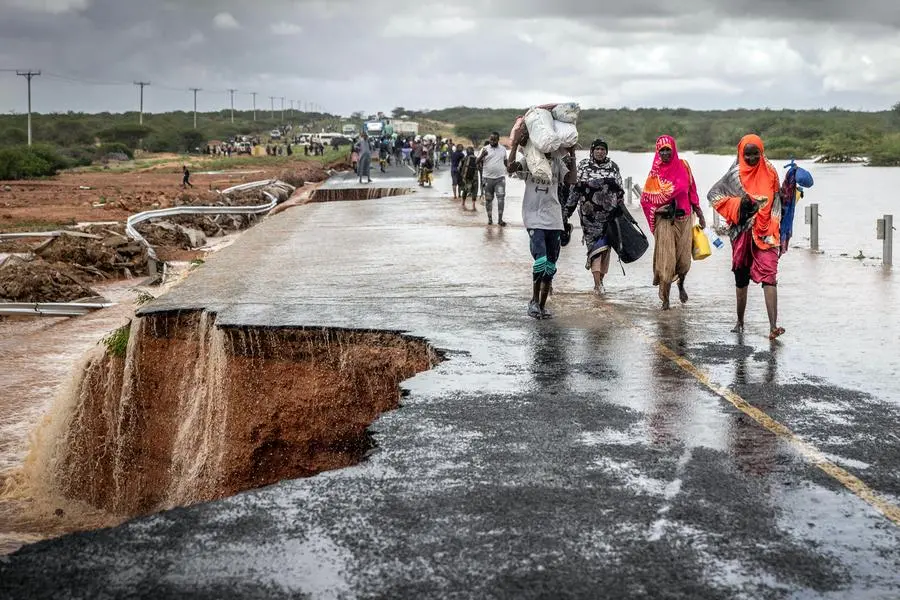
[
  {"x": 340, "y": 164},
  {"x": 18, "y": 246},
  {"x": 106, "y": 254},
  {"x": 165, "y": 234},
  {"x": 41, "y": 281},
  {"x": 302, "y": 174}
]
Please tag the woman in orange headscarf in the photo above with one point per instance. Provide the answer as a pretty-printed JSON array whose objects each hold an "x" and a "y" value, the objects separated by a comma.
[
  {"x": 747, "y": 196},
  {"x": 669, "y": 200}
]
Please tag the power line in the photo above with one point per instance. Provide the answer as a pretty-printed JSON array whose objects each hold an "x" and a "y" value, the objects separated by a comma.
[
  {"x": 29, "y": 75},
  {"x": 71, "y": 79}
]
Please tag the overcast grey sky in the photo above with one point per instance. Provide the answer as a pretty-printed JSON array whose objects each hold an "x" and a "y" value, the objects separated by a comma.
[{"x": 373, "y": 55}]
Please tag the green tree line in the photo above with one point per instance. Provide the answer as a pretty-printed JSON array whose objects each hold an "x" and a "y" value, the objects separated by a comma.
[
  {"x": 75, "y": 139},
  {"x": 837, "y": 135}
]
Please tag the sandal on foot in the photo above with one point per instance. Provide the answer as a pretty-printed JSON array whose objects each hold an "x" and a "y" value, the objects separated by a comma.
[
  {"x": 739, "y": 328},
  {"x": 776, "y": 333}
]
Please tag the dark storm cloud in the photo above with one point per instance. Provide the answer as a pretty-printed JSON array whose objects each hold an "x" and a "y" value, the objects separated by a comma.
[{"x": 349, "y": 54}]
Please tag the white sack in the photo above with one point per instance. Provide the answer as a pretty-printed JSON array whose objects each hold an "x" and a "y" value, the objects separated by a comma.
[
  {"x": 538, "y": 164},
  {"x": 540, "y": 130},
  {"x": 567, "y": 112},
  {"x": 567, "y": 133}
]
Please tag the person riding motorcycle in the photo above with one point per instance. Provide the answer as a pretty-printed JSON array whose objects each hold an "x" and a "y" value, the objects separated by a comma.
[{"x": 426, "y": 168}]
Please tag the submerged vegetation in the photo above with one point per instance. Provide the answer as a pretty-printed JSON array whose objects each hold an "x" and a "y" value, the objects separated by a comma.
[{"x": 117, "y": 342}]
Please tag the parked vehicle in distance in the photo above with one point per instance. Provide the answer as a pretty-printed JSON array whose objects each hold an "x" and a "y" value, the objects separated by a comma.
[
  {"x": 275, "y": 134},
  {"x": 374, "y": 128},
  {"x": 405, "y": 128}
]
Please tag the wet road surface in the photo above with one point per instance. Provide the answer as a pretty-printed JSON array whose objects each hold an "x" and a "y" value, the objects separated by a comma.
[{"x": 612, "y": 452}]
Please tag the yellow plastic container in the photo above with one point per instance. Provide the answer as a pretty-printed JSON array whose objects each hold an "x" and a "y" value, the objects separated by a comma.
[{"x": 701, "y": 248}]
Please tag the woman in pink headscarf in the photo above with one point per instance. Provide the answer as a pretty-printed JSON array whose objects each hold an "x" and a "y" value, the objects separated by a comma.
[{"x": 669, "y": 199}]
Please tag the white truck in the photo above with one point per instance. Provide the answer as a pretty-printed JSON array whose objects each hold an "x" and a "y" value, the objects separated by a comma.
[
  {"x": 405, "y": 128},
  {"x": 374, "y": 128}
]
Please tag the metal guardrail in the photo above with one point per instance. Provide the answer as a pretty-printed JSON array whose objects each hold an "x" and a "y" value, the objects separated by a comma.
[
  {"x": 180, "y": 210},
  {"x": 136, "y": 219},
  {"x": 29, "y": 234},
  {"x": 51, "y": 309},
  {"x": 77, "y": 309}
]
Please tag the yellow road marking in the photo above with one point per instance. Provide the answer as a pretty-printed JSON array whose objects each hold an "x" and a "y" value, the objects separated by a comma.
[{"x": 813, "y": 454}]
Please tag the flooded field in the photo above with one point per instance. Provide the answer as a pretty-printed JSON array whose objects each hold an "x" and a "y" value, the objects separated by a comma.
[{"x": 850, "y": 197}]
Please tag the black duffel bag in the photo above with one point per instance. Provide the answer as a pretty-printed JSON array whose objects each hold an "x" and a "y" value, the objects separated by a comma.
[{"x": 625, "y": 236}]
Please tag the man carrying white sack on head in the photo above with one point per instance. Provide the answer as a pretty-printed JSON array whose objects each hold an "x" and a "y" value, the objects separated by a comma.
[{"x": 542, "y": 216}]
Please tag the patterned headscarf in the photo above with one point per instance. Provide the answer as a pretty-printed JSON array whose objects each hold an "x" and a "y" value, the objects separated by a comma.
[{"x": 667, "y": 182}]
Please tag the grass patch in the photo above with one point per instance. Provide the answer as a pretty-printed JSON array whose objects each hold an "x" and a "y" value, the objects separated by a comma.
[
  {"x": 244, "y": 161},
  {"x": 117, "y": 342},
  {"x": 34, "y": 225},
  {"x": 143, "y": 298}
]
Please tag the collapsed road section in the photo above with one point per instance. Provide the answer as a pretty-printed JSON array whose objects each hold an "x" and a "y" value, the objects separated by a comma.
[{"x": 172, "y": 410}]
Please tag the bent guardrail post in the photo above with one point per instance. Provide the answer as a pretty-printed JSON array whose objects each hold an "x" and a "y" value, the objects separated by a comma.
[
  {"x": 812, "y": 219},
  {"x": 885, "y": 229},
  {"x": 29, "y": 234},
  {"x": 134, "y": 220},
  {"x": 51, "y": 309}
]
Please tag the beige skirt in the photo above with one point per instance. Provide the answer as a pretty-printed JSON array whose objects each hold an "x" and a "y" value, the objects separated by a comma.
[{"x": 672, "y": 255}]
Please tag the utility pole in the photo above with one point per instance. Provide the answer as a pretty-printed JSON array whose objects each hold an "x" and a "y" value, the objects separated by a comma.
[
  {"x": 143, "y": 84},
  {"x": 292, "y": 109},
  {"x": 254, "y": 104},
  {"x": 232, "y": 105},
  {"x": 272, "y": 99},
  {"x": 29, "y": 75},
  {"x": 282, "y": 109},
  {"x": 195, "y": 90}
]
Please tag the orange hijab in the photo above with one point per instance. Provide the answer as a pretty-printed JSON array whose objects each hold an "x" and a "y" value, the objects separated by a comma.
[{"x": 761, "y": 180}]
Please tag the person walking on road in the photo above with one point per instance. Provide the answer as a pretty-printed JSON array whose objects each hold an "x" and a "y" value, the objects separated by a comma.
[
  {"x": 455, "y": 159},
  {"x": 669, "y": 199},
  {"x": 185, "y": 177},
  {"x": 543, "y": 218},
  {"x": 416, "y": 154},
  {"x": 494, "y": 163},
  {"x": 747, "y": 197},
  {"x": 598, "y": 193},
  {"x": 365, "y": 158},
  {"x": 468, "y": 174}
]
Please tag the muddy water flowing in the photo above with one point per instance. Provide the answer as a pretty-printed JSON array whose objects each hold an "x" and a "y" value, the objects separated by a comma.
[
  {"x": 356, "y": 193},
  {"x": 190, "y": 412}
]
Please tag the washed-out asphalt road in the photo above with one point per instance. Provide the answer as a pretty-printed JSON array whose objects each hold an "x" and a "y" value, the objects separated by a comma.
[{"x": 612, "y": 452}]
